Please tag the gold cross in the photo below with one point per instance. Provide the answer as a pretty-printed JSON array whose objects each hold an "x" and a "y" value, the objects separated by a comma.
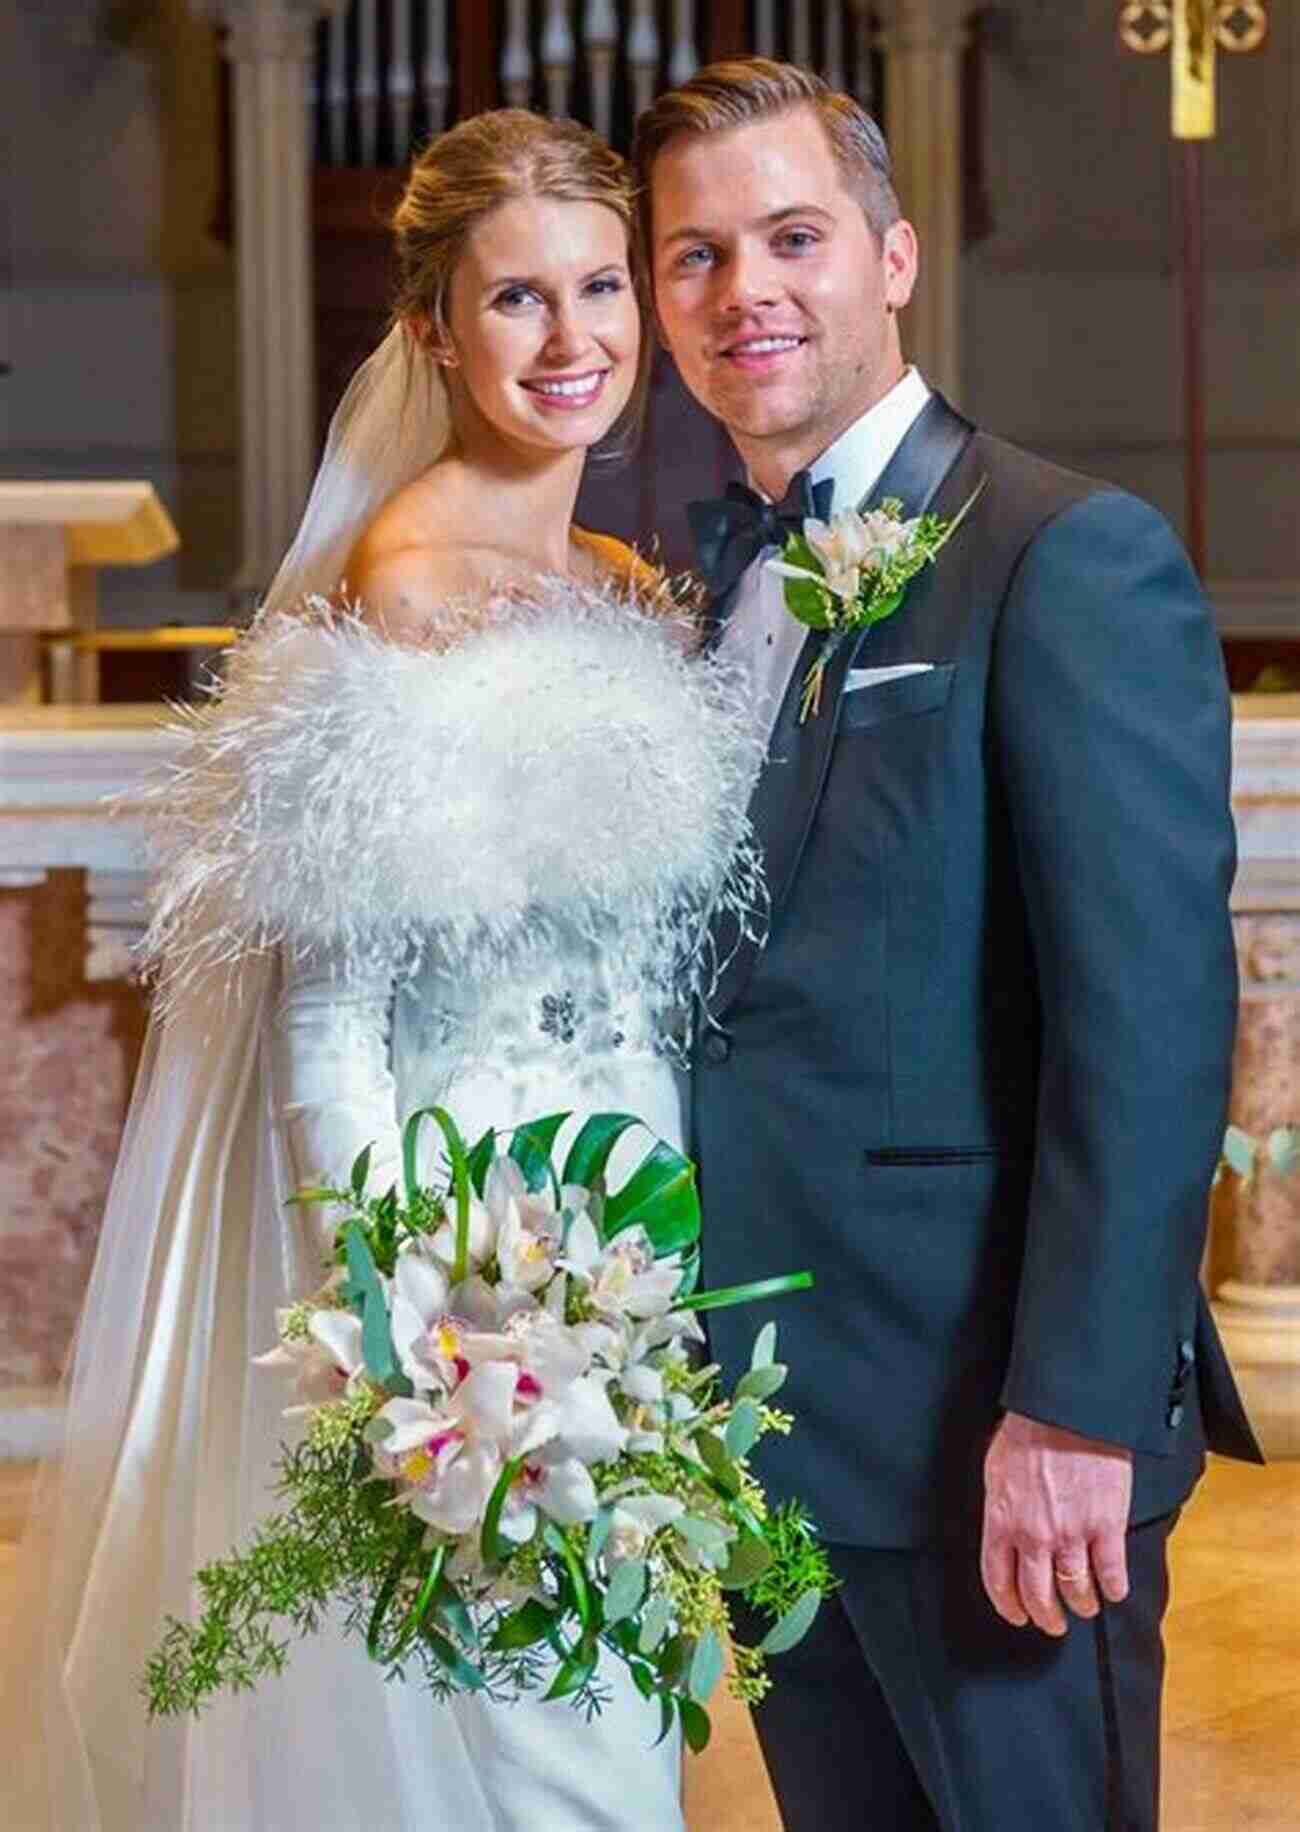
[{"x": 1192, "y": 30}]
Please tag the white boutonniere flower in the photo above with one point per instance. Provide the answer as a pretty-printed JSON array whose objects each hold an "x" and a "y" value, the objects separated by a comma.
[{"x": 853, "y": 571}]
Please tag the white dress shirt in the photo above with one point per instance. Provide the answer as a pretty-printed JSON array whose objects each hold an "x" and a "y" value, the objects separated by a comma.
[{"x": 760, "y": 632}]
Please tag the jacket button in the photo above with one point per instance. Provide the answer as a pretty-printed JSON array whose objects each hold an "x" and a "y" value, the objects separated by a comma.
[
  {"x": 716, "y": 1046},
  {"x": 1186, "y": 1355},
  {"x": 1174, "y": 1417}
]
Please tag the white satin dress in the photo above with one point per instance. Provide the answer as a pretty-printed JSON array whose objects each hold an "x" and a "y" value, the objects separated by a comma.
[
  {"x": 528, "y": 809},
  {"x": 351, "y": 1059}
]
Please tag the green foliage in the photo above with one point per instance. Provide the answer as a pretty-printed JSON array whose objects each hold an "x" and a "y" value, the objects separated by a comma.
[
  {"x": 589, "y": 1154},
  {"x": 810, "y": 603},
  {"x": 660, "y": 1196},
  {"x": 492, "y": 1546},
  {"x": 1239, "y": 1151},
  {"x": 793, "y": 1625},
  {"x": 762, "y": 1383},
  {"x": 764, "y": 1351},
  {"x": 706, "y": 1666},
  {"x": 799, "y": 1563},
  {"x": 751, "y": 1556},
  {"x": 366, "y": 1295},
  {"x": 480, "y": 1160},
  {"x": 625, "y": 1590},
  {"x": 336, "y": 1535},
  {"x": 726, "y": 1296},
  {"x": 696, "y": 1727},
  {"x": 337, "y": 1542},
  {"x": 717, "y": 1459},
  {"x": 530, "y": 1623},
  {"x": 743, "y": 1429},
  {"x": 1243, "y": 1152},
  {"x": 531, "y": 1146}
]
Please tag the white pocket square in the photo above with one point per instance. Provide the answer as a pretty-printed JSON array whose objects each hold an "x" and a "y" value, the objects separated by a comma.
[{"x": 873, "y": 677}]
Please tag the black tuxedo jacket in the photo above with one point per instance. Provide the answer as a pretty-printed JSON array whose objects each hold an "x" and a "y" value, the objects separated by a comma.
[{"x": 977, "y": 1078}]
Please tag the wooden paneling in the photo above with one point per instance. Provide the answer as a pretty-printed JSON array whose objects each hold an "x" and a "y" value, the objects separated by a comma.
[
  {"x": 475, "y": 35},
  {"x": 726, "y": 33},
  {"x": 1273, "y": 661}
]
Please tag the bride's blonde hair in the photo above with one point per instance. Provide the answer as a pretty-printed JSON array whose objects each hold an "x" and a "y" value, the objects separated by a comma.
[{"x": 482, "y": 163}]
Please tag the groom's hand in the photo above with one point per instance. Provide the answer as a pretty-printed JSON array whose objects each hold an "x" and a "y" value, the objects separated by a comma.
[{"x": 1055, "y": 1515}]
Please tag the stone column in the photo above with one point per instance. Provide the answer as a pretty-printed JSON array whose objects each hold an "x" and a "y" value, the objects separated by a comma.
[
  {"x": 1257, "y": 1223},
  {"x": 922, "y": 42},
  {"x": 269, "y": 44}
]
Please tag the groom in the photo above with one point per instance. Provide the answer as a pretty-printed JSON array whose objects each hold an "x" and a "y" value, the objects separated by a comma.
[{"x": 977, "y": 1078}]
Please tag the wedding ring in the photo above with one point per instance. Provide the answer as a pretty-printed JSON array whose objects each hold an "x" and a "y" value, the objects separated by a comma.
[{"x": 1072, "y": 1574}]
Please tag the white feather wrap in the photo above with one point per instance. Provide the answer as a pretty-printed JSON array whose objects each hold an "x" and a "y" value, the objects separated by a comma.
[{"x": 550, "y": 756}]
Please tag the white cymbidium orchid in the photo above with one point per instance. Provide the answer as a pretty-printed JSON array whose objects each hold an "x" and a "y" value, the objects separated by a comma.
[
  {"x": 634, "y": 1522},
  {"x": 450, "y": 1457},
  {"x": 623, "y": 1279},
  {"x": 586, "y": 1424},
  {"x": 561, "y": 1489},
  {"x": 482, "y": 1237},
  {"x": 476, "y": 1313},
  {"x": 527, "y": 1251},
  {"x": 667, "y": 1331},
  {"x": 644, "y": 1386},
  {"x": 547, "y": 1355},
  {"x": 325, "y": 1366},
  {"x": 417, "y": 1301}
]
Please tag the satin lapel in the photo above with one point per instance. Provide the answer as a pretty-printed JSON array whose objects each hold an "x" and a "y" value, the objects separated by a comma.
[{"x": 790, "y": 786}]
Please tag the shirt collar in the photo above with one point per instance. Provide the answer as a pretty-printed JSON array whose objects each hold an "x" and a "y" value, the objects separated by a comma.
[{"x": 858, "y": 457}]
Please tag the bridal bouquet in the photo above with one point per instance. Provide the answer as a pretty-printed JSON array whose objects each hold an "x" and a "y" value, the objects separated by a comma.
[{"x": 510, "y": 1460}]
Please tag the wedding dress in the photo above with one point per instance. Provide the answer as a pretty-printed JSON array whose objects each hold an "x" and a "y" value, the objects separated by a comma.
[{"x": 475, "y": 873}]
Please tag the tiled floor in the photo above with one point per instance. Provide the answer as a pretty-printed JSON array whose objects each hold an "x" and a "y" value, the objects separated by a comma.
[{"x": 1232, "y": 1710}]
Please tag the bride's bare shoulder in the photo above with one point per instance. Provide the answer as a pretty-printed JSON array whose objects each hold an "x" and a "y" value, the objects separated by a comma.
[
  {"x": 399, "y": 579},
  {"x": 607, "y": 557}
]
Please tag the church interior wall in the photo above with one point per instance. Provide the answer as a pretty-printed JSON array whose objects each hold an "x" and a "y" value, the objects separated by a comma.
[
  {"x": 1070, "y": 305},
  {"x": 121, "y": 302}
]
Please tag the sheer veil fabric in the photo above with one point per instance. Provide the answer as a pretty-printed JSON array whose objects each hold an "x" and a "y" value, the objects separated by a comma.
[
  {"x": 170, "y": 1434},
  {"x": 394, "y": 419},
  {"x": 169, "y": 1439}
]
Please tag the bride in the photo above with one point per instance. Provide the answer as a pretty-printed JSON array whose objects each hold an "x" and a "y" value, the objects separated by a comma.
[{"x": 449, "y": 833}]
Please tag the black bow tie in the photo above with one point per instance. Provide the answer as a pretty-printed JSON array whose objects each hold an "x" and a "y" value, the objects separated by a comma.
[{"x": 732, "y": 530}]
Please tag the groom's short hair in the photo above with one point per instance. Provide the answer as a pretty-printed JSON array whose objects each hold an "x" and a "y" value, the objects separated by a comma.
[{"x": 742, "y": 90}]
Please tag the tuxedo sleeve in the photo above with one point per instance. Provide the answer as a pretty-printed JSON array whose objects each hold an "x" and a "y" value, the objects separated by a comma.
[{"x": 1111, "y": 726}]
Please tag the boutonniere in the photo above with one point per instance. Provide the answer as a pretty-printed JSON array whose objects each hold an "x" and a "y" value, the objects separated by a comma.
[{"x": 853, "y": 571}]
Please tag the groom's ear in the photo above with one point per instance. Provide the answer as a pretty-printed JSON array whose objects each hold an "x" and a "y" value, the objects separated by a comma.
[{"x": 900, "y": 255}]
